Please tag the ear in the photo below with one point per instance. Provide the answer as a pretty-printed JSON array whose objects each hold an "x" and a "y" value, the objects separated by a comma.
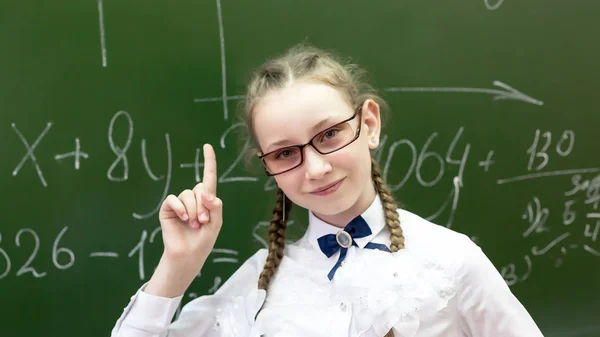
[{"x": 371, "y": 122}]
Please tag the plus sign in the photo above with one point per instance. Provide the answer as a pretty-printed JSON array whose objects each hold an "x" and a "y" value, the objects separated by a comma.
[
  {"x": 488, "y": 161},
  {"x": 77, "y": 154},
  {"x": 196, "y": 165}
]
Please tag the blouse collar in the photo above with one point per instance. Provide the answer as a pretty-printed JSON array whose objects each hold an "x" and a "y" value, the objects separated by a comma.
[{"x": 374, "y": 216}]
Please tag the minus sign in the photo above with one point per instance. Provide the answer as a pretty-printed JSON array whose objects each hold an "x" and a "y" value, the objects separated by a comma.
[{"x": 100, "y": 254}]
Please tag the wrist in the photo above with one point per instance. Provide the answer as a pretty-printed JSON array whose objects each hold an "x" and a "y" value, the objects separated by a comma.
[{"x": 171, "y": 278}]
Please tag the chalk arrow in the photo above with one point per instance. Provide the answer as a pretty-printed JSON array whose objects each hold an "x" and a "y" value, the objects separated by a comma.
[{"x": 508, "y": 92}]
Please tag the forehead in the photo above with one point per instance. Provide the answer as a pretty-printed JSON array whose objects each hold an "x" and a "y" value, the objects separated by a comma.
[{"x": 292, "y": 112}]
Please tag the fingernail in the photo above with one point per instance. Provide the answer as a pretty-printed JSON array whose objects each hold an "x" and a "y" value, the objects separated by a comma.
[
  {"x": 185, "y": 217},
  {"x": 203, "y": 217}
]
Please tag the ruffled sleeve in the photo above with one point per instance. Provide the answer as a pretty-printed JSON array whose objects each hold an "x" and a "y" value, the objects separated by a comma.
[{"x": 229, "y": 312}]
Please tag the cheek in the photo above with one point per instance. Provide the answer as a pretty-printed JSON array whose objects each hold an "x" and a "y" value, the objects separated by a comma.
[
  {"x": 289, "y": 183},
  {"x": 357, "y": 159}
]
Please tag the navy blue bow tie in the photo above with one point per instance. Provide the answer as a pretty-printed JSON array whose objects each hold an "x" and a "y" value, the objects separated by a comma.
[{"x": 331, "y": 243}]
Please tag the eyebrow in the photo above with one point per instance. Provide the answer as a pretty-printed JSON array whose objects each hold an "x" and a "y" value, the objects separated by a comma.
[
  {"x": 320, "y": 125},
  {"x": 285, "y": 142}
]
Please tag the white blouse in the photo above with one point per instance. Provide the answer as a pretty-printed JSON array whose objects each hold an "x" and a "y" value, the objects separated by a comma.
[{"x": 440, "y": 284}]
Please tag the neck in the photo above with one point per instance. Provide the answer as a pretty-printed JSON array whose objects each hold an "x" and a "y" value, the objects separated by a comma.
[{"x": 360, "y": 206}]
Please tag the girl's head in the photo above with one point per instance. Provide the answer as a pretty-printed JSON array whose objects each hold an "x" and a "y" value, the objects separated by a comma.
[
  {"x": 302, "y": 97},
  {"x": 313, "y": 122}
]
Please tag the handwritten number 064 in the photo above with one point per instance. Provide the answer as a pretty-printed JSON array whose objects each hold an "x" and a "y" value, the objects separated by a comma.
[{"x": 416, "y": 163}]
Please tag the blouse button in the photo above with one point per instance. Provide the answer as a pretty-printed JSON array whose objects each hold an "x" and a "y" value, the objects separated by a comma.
[
  {"x": 343, "y": 306},
  {"x": 343, "y": 263},
  {"x": 396, "y": 275}
]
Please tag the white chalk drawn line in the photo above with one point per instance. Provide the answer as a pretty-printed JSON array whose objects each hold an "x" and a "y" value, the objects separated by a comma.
[
  {"x": 154, "y": 233},
  {"x": 78, "y": 154},
  {"x": 30, "y": 153},
  {"x": 167, "y": 182},
  {"x": 536, "y": 251},
  {"x": 224, "y": 251},
  {"x": 508, "y": 92},
  {"x": 196, "y": 165},
  {"x": 487, "y": 162},
  {"x": 121, "y": 152},
  {"x": 538, "y": 219},
  {"x": 146, "y": 164},
  {"x": 225, "y": 260},
  {"x": 218, "y": 99},
  {"x": 216, "y": 285},
  {"x": 102, "y": 33},
  {"x": 591, "y": 250},
  {"x": 139, "y": 247},
  {"x": 223, "y": 63},
  {"x": 453, "y": 196},
  {"x": 225, "y": 178},
  {"x": 546, "y": 174},
  {"x": 104, "y": 254},
  {"x": 492, "y": 7},
  {"x": 593, "y": 215}
]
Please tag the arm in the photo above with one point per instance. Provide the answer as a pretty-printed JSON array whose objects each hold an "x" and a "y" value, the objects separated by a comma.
[
  {"x": 485, "y": 303},
  {"x": 190, "y": 224},
  {"x": 229, "y": 312},
  {"x": 146, "y": 316}
]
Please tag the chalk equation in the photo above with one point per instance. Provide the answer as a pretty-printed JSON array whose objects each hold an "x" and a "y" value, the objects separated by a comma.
[
  {"x": 576, "y": 226},
  {"x": 63, "y": 258},
  {"x": 579, "y": 218}
]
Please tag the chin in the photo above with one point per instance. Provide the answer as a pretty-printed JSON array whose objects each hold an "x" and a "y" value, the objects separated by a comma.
[{"x": 332, "y": 206}]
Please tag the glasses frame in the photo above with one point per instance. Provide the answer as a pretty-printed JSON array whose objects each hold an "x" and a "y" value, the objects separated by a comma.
[{"x": 357, "y": 112}]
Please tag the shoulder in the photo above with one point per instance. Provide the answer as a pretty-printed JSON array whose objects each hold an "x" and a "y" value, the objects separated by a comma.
[
  {"x": 432, "y": 240},
  {"x": 447, "y": 249}
]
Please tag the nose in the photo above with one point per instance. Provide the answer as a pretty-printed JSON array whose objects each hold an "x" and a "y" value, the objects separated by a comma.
[{"x": 315, "y": 163}]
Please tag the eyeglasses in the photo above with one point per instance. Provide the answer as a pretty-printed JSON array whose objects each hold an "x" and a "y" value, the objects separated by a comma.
[{"x": 327, "y": 141}]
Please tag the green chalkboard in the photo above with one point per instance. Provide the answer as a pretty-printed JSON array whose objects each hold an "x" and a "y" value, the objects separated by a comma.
[{"x": 105, "y": 105}]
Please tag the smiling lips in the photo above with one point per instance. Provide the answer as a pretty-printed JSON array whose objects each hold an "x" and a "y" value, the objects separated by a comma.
[{"x": 328, "y": 189}]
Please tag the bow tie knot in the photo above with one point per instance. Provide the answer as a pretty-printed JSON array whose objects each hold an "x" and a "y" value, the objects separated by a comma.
[{"x": 342, "y": 240}]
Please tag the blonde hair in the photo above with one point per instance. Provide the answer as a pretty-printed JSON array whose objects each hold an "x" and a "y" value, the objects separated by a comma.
[{"x": 305, "y": 62}]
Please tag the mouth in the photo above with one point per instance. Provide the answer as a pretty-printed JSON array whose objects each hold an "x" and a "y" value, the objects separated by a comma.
[{"x": 328, "y": 189}]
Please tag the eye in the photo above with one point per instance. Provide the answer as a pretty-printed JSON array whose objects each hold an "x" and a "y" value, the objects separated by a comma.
[
  {"x": 329, "y": 134},
  {"x": 285, "y": 154}
]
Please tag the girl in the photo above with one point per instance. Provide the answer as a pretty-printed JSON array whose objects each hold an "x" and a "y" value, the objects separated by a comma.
[{"x": 363, "y": 267}]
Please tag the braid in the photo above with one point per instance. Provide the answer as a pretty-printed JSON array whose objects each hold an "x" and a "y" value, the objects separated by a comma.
[
  {"x": 389, "y": 207},
  {"x": 276, "y": 233},
  {"x": 391, "y": 215},
  {"x": 389, "y": 334}
]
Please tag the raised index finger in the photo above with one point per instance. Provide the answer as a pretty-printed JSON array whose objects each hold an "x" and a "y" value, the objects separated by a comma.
[{"x": 209, "y": 181}]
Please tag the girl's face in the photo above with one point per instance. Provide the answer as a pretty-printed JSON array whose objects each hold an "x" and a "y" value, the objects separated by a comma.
[{"x": 335, "y": 186}]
